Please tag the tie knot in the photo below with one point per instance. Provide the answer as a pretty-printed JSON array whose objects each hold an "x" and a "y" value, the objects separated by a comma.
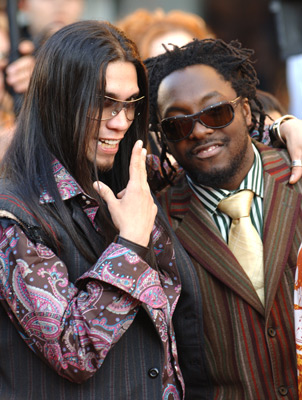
[{"x": 237, "y": 205}]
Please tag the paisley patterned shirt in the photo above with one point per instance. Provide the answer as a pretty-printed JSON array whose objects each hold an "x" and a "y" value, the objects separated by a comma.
[
  {"x": 298, "y": 318},
  {"x": 73, "y": 325}
]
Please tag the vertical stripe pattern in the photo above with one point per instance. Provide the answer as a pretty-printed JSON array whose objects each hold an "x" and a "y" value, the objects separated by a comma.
[{"x": 250, "y": 349}]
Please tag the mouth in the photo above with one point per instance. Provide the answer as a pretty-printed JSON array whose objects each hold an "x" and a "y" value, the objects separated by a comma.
[
  {"x": 207, "y": 150},
  {"x": 108, "y": 144}
]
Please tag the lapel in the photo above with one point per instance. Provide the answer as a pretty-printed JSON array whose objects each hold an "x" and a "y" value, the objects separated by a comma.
[
  {"x": 202, "y": 240},
  {"x": 281, "y": 209}
]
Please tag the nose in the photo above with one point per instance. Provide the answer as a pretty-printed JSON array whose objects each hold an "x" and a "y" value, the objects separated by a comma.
[
  {"x": 119, "y": 122},
  {"x": 199, "y": 130}
]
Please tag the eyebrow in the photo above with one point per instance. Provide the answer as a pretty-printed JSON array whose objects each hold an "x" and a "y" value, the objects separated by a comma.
[
  {"x": 115, "y": 96},
  {"x": 181, "y": 109}
]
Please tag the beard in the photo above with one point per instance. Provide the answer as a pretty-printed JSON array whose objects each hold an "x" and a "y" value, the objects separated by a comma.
[{"x": 218, "y": 177}]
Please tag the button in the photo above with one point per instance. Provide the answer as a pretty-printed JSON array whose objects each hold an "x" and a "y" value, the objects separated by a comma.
[
  {"x": 272, "y": 332},
  {"x": 153, "y": 372},
  {"x": 283, "y": 390}
]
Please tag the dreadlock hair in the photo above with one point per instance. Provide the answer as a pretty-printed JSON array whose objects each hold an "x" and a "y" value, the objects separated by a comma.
[
  {"x": 67, "y": 84},
  {"x": 231, "y": 61}
]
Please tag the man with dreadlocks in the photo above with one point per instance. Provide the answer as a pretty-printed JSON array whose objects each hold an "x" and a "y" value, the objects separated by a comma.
[{"x": 200, "y": 100}]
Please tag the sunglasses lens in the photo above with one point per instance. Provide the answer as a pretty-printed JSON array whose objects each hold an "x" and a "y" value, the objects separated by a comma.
[
  {"x": 177, "y": 129},
  {"x": 111, "y": 108},
  {"x": 218, "y": 117}
]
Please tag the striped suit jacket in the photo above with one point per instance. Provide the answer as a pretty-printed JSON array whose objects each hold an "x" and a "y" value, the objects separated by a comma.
[{"x": 250, "y": 349}]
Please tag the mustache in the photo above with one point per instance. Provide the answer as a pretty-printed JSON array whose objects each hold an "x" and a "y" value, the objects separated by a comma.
[{"x": 210, "y": 141}]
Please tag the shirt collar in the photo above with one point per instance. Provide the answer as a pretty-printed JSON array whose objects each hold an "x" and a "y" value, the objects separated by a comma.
[
  {"x": 66, "y": 184},
  {"x": 211, "y": 197},
  {"x": 69, "y": 188}
]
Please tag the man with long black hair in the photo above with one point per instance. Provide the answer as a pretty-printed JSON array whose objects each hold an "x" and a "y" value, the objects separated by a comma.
[
  {"x": 87, "y": 291},
  {"x": 200, "y": 106}
]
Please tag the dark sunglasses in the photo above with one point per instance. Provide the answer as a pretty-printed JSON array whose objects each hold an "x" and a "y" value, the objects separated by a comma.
[{"x": 216, "y": 116}]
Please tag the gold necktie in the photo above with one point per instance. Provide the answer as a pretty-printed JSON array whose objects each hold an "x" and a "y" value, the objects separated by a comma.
[{"x": 244, "y": 241}]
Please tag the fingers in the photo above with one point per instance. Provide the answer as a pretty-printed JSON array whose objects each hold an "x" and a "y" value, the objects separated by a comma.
[
  {"x": 26, "y": 47},
  {"x": 133, "y": 210},
  {"x": 105, "y": 192},
  {"x": 296, "y": 174},
  {"x": 291, "y": 131},
  {"x": 135, "y": 168},
  {"x": 121, "y": 194},
  {"x": 19, "y": 72}
]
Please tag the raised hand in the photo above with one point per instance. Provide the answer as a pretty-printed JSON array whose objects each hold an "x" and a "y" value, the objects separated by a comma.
[{"x": 133, "y": 211}]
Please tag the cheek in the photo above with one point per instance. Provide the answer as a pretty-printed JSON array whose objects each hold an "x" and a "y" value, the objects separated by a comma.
[{"x": 178, "y": 151}]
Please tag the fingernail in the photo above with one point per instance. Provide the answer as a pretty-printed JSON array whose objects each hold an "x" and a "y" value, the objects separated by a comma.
[
  {"x": 97, "y": 185},
  {"x": 140, "y": 143}
]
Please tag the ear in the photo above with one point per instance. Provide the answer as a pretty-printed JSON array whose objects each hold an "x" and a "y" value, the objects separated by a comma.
[{"x": 247, "y": 113}]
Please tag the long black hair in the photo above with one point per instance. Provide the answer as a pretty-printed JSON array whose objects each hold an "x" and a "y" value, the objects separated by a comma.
[
  {"x": 230, "y": 60},
  {"x": 68, "y": 78}
]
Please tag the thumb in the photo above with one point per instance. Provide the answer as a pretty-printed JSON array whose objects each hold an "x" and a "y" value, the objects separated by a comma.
[
  {"x": 121, "y": 194},
  {"x": 26, "y": 47},
  {"x": 104, "y": 191}
]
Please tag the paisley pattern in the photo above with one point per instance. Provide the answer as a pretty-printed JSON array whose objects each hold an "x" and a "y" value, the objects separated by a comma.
[
  {"x": 73, "y": 326},
  {"x": 298, "y": 319}
]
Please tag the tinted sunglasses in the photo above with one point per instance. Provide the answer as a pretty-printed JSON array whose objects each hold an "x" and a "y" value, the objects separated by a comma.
[
  {"x": 112, "y": 107},
  {"x": 216, "y": 116}
]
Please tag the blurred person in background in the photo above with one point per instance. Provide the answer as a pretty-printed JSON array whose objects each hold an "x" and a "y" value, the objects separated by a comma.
[
  {"x": 43, "y": 19},
  {"x": 49, "y": 15},
  {"x": 42, "y": 16},
  {"x": 271, "y": 106},
  {"x": 149, "y": 29},
  {"x": 7, "y": 115}
]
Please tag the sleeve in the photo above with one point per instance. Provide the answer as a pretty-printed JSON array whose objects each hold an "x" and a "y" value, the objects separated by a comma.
[
  {"x": 70, "y": 326},
  {"x": 266, "y": 136},
  {"x": 156, "y": 177}
]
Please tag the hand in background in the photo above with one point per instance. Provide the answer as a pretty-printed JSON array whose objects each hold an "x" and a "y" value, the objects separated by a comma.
[{"x": 18, "y": 73}]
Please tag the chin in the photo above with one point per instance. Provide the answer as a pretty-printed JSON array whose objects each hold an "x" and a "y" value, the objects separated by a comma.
[
  {"x": 104, "y": 165},
  {"x": 104, "y": 168}
]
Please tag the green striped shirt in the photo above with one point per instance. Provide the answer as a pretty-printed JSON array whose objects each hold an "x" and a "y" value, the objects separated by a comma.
[{"x": 210, "y": 198}]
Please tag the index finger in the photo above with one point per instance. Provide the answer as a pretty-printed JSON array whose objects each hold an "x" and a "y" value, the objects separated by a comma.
[{"x": 137, "y": 168}]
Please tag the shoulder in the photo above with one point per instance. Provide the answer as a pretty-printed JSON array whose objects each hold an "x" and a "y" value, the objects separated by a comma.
[
  {"x": 15, "y": 211},
  {"x": 179, "y": 185},
  {"x": 274, "y": 159}
]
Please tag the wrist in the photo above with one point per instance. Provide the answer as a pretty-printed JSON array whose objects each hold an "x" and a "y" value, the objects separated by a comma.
[
  {"x": 275, "y": 133},
  {"x": 137, "y": 248}
]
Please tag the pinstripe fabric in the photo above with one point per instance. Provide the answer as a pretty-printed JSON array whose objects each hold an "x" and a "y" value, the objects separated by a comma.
[{"x": 250, "y": 349}]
